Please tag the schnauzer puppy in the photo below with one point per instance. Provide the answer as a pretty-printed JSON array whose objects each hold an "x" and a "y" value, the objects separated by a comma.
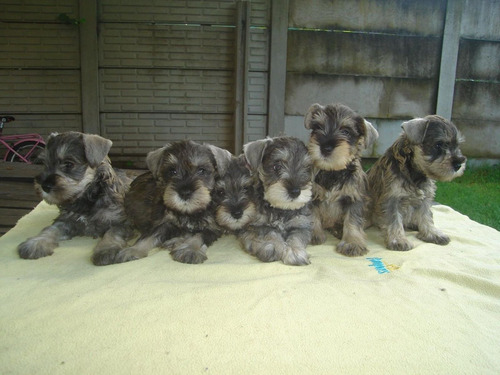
[
  {"x": 402, "y": 180},
  {"x": 282, "y": 172},
  {"x": 172, "y": 204},
  {"x": 234, "y": 197},
  {"x": 89, "y": 193},
  {"x": 338, "y": 136}
]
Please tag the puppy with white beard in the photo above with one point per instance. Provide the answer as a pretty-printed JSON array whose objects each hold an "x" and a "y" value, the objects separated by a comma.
[
  {"x": 172, "y": 205},
  {"x": 402, "y": 181},
  {"x": 282, "y": 173},
  {"x": 338, "y": 136},
  {"x": 79, "y": 179}
]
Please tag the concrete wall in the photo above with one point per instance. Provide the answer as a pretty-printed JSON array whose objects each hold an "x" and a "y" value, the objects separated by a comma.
[
  {"x": 145, "y": 72},
  {"x": 386, "y": 59}
]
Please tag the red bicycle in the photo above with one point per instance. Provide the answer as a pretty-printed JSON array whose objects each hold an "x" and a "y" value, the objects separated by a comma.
[{"x": 21, "y": 147}]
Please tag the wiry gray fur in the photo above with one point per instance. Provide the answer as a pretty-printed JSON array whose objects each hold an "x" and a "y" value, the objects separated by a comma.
[
  {"x": 281, "y": 228},
  {"x": 89, "y": 193},
  {"x": 402, "y": 183},
  {"x": 234, "y": 197},
  {"x": 338, "y": 136},
  {"x": 172, "y": 205}
]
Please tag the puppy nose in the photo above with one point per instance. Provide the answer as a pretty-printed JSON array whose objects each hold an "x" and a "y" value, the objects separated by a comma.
[
  {"x": 294, "y": 192},
  {"x": 237, "y": 212},
  {"x": 327, "y": 149},
  {"x": 185, "y": 194},
  {"x": 48, "y": 183},
  {"x": 457, "y": 163}
]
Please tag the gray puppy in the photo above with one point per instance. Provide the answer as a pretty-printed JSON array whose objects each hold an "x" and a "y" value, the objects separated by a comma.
[
  {"x": 234, "y": 197},
  {"x": 172, "y": 205},
  {"x": 338, "y": 136},
  {"x": 282, "y": 173},
  {"x": 402, "y": 180},
  {"x": 89, "y": 193}
]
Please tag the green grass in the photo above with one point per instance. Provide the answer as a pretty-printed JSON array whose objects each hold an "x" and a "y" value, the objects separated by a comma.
[{"x": 475, "y": 194}]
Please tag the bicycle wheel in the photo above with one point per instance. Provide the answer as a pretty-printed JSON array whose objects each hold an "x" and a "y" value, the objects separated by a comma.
[{"x": 30, "y": 150}]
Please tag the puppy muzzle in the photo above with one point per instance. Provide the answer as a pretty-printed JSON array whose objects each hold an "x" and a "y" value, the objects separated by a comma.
[
  {"x": 294, "y": 192},
  {"x": 46, "y": 182},
  {"x": 457, "y": 162}
]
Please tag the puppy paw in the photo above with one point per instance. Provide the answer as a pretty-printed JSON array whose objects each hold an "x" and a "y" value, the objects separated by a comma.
[
  {"x": 267, "y": 253},
  {"x": 129, "y": 254},
  {"x": 296, "y": 257},
  {"x": 351, "y": 249},
  {"x": 105, "y": 257},
  {"x": 185, "y": 253},
  {"x": 438, "y": 238},
  {"x": 318, "y": 238},
  {"x": 37, "y": 247},
  {"x": 399, "y": 244},
  {"x": 172, "y": 243}
]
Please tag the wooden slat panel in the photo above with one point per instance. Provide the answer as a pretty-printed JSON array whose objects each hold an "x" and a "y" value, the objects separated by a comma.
[
  {"x": 10, "y": 216},
  {"x": 166, "y": 46},
  {"x": 18, "y": 170}
]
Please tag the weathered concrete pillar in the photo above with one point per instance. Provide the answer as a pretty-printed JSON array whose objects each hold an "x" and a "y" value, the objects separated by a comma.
[
  {"x": 449, "y": 57},
  {"x": 89, "y": 67},
  {"x": 241, "y": 76},
  {"x": 277, "y": 67}
]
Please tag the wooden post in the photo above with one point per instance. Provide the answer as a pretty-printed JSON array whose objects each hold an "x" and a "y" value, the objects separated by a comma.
[
  {"x": 241, "y": 75},
  {"x": 277, "y": 67},
  {"x": 449, "y": 58},
  {"x": 89, "y": 67}
]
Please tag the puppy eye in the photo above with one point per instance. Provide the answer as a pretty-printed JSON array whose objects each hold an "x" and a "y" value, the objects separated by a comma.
[
  {"x": 68, "y": 165},
  {"x": 345, "y": 132},
  {"x": 202, "y": 171},
  {"x": 172, "y": 172},
  {"x": 277, "y": 167},
  {"x": 220, "y": 192},
  {"x": 439, "y": 146},
  {"x": 315, "y": 126}
]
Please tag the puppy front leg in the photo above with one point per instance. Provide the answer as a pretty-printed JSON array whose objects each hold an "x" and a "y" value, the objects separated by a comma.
[
  {"x": 139, "y": 250},
  {"x": 43, "y": 244},
  {"x": 193, "y": 249},
  {"x": 318, "y": 234},
  {"x": 427, "y": 232},
  {"x": 264, "y": 243},
  {"x": 393, "y": 227},
  {"x": 295, "y": 253},
  {"x": 352, "y": 243},
  {"x": 109, "y": 245}
]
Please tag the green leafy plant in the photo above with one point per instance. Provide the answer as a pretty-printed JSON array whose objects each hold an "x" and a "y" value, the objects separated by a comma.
[{"x": 64, "y": 18}]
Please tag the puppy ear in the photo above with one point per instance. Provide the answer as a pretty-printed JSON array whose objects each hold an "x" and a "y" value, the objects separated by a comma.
[
  {"x": 222, "y": 158},
  {"x": 415, "y": 129},
  {"x": 371, "y": 134},
  {"x": 52, "y": 135},
  {"x": 314, "y": 117},
  {"x": 254, "y": 152},
  {"x": 153, "y": 160},
  {"x": 96, "y": 148}
]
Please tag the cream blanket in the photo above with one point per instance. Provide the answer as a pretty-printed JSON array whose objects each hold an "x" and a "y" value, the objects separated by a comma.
[{"x": 432, "y": 310}]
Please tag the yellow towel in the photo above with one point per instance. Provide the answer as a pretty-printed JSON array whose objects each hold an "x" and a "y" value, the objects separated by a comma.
[{"x": 432, "y": 310}]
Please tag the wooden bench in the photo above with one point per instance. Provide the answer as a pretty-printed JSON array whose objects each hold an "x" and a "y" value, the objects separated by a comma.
[{"x": 17, "y": 194}]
